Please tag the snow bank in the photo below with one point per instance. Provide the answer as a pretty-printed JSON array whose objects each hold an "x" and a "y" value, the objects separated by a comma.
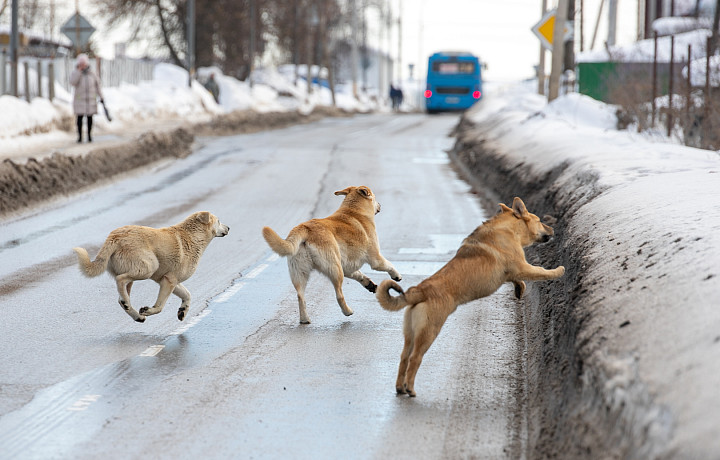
[
  {"x": 623, "y": 352},
  {"x": 167, "y": 97}
]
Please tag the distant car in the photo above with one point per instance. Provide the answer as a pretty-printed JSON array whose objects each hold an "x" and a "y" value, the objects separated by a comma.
[{"x": 453, "y": 81}]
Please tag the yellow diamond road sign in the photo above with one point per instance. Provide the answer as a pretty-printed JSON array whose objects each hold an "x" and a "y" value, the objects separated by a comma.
[{"x": 545, "y": 28}]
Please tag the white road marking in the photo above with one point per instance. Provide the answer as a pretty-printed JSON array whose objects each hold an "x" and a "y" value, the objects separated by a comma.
[
  {"x": 191, "y": 322},
  {"x": 256, "y": 271},
  {"x": 412, "y": 267},
  {"x": 84, "y": 402},
  {"x": 441, "y": 244},
  {"x": 152, "y": 350},
  {"x": 229, "y": 292},
  {"x": 238, "y": 284}
]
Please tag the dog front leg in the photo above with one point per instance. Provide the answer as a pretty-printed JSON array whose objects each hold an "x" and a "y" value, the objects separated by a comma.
[
  {"x": 184, "y": 295},
  {"x": 167, "y": 286},
  {"x": 381, "y": 264},
  {"x": 532, "y": 273},
  {"x": 124, "y": 284},
  {"x": 366, "y": 282}
]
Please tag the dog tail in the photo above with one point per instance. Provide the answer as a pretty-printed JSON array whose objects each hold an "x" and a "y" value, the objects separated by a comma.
[
  {"x": 97, "y": 266},
  {"x": 388, "y": 302},
  {"x": 287, "y": 247}
]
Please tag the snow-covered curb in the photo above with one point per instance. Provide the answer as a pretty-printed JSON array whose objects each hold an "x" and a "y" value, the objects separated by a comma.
[{"x": 624, "y": 351}]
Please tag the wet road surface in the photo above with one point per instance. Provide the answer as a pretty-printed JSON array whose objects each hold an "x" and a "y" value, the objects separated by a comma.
[{"x": 240, "y": 378}]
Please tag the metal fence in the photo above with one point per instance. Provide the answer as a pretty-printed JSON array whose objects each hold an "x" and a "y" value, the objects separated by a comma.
[{"x": 33, "y": 74}]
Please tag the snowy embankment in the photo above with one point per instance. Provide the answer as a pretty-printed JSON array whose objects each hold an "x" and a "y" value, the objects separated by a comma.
[{"x": 623, "y": 353}]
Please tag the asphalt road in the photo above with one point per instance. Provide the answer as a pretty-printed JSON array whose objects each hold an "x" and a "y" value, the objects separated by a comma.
[{"x": 240, "y": 377}]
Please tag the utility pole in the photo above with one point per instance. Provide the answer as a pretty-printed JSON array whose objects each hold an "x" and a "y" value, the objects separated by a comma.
[
  {"x": 252, "y": 41},
  {"x": 14, "y": 48},
  {"x": 558, "y": 50},
  {"x": 354, "y": 56},
  {"x": 612, "y": 22},
  {"x": 716, "y": 23},
  {"x": 191, "y": 40},
  {"x": 541, "y": 64},
  {"x": 569, "y": 51},
  {"x": 399, "y": 56},
  {"x": 381, "y": 60}
]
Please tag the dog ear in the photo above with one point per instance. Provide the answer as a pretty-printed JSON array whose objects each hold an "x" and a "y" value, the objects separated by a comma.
[
  {"x": 344, "y": 192},
  {"x": 504, "y": 208},
  {"x": 203, "y": 217},
  {"x": 519, "y": 208},
  {"x": 364, "y": 191}
]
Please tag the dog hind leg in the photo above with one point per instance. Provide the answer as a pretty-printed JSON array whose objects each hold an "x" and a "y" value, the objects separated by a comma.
[
  {"x": 184, "y": 295},
  {"x": 336, "y": 277},
  {"x": 424, "y": 334},
  {"x": 124, "y": 284},
  {"x": 299, "y": 278},
  {"x": 407, "y": 349}
]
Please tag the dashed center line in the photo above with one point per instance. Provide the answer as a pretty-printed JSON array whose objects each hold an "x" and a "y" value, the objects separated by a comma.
[
  {"x": 256, "y": 271},
  {"x": 152, "y": 350},
  {"x": 84, "y": 402},
  {"x": 229, "y": 292},
  {"x": 191, "y": 322}
]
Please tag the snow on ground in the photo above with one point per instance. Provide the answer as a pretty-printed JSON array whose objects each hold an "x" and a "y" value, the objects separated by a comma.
[
  {"x": 168, "y": 97},
  {"x": 648, "y": 214},
  {"x": 647, "y": 210}
]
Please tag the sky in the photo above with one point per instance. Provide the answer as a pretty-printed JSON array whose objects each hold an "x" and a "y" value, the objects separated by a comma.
[{"x": 498, "y": 31}]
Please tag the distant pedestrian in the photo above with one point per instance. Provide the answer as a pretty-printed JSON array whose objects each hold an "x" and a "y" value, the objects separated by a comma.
[
  {"x": 396, "y": 97},
  {"x": 212, "y": 86},
  {"x": 87, "y": 90}
]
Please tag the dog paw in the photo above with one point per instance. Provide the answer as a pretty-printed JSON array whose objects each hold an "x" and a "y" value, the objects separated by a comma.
[
  {"x": 519, "y": 289},
  {"x": 397, "y": 278},
  {"x": 400, "y": 390},
  {"x": 143, "y": 310},
  {"x": 372, "y": 287},
  {"x": 140, "y": 319},
  {"x": 560, "y": 271},
  {"x": 181, "y": 314}
]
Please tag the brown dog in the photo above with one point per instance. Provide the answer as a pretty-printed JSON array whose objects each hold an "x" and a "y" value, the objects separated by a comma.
[
  {"x": 490, "y": 256},
  {"x": 167, "y": 255},
  {"x": 336, "y": 246}
]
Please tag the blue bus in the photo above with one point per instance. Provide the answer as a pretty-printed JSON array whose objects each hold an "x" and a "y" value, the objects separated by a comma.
[{"x": 453, "y": 81}]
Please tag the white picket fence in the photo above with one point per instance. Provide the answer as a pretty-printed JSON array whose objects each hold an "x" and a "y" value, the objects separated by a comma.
[{"x": 33, "y": 74}]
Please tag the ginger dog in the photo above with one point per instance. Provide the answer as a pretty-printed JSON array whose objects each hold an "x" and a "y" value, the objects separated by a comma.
[
  {"x": 167, "y": 255},
  {"x": 490, "y": 256},
  {"x": 336, "y": 246}
]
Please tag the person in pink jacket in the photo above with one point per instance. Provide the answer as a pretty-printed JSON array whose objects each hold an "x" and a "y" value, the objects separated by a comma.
[{"x": 87, "y": 90}]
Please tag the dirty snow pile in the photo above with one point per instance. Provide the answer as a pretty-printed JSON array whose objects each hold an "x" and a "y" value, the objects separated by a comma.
[{"x": 647, "y": 215}]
